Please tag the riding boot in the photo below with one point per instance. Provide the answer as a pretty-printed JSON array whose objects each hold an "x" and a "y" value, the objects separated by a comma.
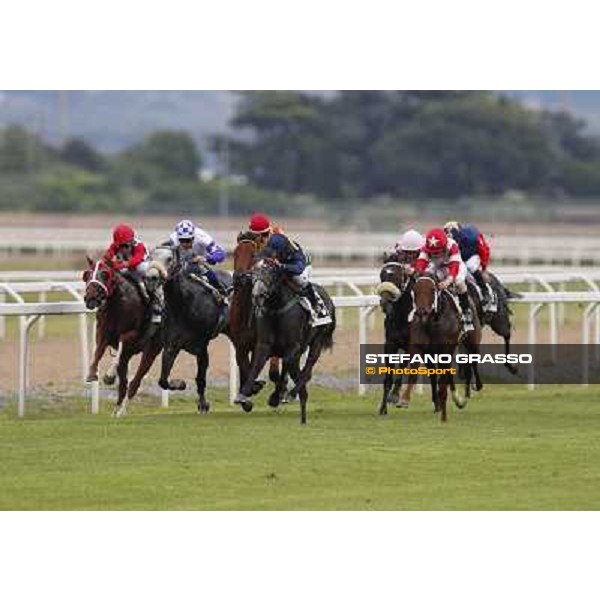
[
  {"x": 309, "y": 292},
  {"x": 483, "y": 288},
  {"x": 157, "y": 305},
  {"x": 467, "y": 312}
]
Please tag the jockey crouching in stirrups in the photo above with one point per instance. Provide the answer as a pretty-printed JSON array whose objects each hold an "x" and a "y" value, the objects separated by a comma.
[
  {"x": 129, "y": 255},
  {"x": 440, "y": 256},
  {"x": 475, "y": 252},
  {"x": 290, "y": 257},
  {"x": 407, "y": 250},
  {"x": 196, "y": 248}
]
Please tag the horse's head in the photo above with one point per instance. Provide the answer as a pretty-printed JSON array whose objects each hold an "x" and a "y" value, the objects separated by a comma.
[
  {"x": 161, "y": 264},
  {"x": 267, "y": 278},
  {"x": 394, "y": 280},
  {"x": 244, "y": 253},
  {"x": 425, "y": 297},
  {"x": 100, "y": 283}
]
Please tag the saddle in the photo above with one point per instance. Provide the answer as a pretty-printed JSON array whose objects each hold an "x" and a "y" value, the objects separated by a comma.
[{"x": 318, "y": 315}]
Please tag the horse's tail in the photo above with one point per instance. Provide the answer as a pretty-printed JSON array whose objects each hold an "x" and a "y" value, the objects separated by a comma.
[{"x": 510, "y": 294}]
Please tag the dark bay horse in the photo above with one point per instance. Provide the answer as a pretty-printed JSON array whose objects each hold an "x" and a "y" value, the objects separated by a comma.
[
  {"x": 436, "y": 329},
  {"x": 193, "y": 317},
  {"x": 242, "y": 321},
  {"x": 284, "y": 329},
  {"x": 500, "y": 322},
  {"x": 396, "y": 301},
  {"x": 121, "y": 323}
]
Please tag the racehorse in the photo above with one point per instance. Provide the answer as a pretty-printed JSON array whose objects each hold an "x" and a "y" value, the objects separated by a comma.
[
  {"x": 500, "y": 321},
  {"x": 122, "y": 323},
  {"x": 436, "y": 329},
  {"x": 193, "y": 317},
  {"x": 284, "y": 329},
  {"x": 396, "y": 301},
  {"x": 242, "y": 322}
]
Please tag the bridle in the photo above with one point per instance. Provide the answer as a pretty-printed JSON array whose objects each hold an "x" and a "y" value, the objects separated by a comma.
[
  {"x": 94, "y": 279},
  {"x": 436, "y": 294},
  {"x": 247, "y": 276}
]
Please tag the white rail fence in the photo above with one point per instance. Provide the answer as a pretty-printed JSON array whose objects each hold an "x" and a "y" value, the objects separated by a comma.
[
  {"x": 29, "y": 312},
  {"x": 514, "y": 249},
  {"x": 342, "y": 280}
]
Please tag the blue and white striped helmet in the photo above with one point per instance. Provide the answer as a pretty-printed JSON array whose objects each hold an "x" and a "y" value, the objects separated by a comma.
[{"x": 185, "y": 230}]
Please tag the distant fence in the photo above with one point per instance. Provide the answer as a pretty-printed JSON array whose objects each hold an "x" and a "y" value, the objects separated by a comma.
[{"x": 331, "y": 245}]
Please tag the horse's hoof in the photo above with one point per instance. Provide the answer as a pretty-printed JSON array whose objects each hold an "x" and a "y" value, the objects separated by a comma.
[
  {"x": 109, "y": 379},
  {"x": 177, "y": 385},
  {"x": 292, "y": 395},
  {"x": 393, "y": 399},
  {"x": 91, "y": 379},
  {"x": 459, "y": 401},
  {"x": 477, "y": 387},
  {"x": 163, "y": 384},
  {"x": 119, "y": 412},
  {"x": 247, "y": 406},
  {"x": 204, "y": 409},
  {"x": 274, "y": 400},
  {"x": 402, "y": 404},
  {"x": 257, "y": 386}
]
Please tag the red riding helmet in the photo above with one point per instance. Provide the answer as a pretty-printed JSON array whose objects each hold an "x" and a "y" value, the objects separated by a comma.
[
  {"x": 259, "y": 223},
  {"x": 436, "y": 241},
  {"x": 123, "y": 234}
]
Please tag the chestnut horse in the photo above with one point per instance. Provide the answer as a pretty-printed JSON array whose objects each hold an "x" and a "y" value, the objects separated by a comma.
[
  {"x": 436, "y": 329},
  {"x": 121, "y": 323},
  {"x": 242, "y": 321}
]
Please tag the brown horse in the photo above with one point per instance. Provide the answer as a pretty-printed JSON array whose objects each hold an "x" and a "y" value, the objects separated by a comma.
[
  {"x": 436, "y": 329},
  {"x": 242, "y": 323},
  {"x": 121, "y": 324}
]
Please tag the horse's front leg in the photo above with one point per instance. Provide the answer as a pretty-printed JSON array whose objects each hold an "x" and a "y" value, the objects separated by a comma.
[
  {"x": 259, "y": 358},
  {"x": 121, "y": 407},
  {"x": 291, "y": 363},
  {"x": 202, "y": 362},
  {"x": 149, "y": 354},
  {"x": 101, "y": 346},
  {"x": 169, "y": 355},
  {"x": 387, "y": 382}
]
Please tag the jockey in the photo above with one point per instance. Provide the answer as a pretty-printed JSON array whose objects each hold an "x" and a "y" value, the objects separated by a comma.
[
  {"x": 196, "y": 248},
  {"x": 295, "y": 264},
  {"x": 406, "y": 251},
  {"x": 441, "y": 253},
  {"x": 128, "y": 254},
  {"x": 260, "y": 226},
  {"x": 475, "y": 252}
]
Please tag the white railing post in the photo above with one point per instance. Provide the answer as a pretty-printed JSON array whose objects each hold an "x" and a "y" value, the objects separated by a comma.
[{"x": 233, "y": 374}]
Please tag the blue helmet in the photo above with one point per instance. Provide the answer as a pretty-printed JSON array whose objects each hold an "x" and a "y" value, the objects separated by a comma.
[
  {"x": 276, "y": 245},
  {"x": 185, "y": 230}
]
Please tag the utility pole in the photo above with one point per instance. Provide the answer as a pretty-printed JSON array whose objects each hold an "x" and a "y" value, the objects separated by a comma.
[
  {"x": 224, "y": 183},
  {"x": 63, "y": 117},
  {"x": 564, "y": 100}
]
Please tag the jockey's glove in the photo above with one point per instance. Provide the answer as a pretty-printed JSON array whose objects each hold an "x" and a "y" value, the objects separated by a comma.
[{"x": 446, "y": 283}]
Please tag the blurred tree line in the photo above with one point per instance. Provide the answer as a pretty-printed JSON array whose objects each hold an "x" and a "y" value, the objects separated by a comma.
[
  {"x": 411, "y": 144},
  {"x": 160, "y": 174},
  {"x": 290, "y": 149}
]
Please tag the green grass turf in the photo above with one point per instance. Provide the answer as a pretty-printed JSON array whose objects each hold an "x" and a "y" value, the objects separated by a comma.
[{"x": 510, "y": 449}]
